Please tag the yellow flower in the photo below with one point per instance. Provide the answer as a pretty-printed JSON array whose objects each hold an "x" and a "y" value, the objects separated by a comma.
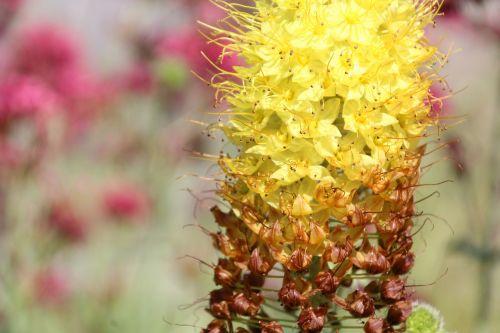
[{"x": 333, "y": 96}]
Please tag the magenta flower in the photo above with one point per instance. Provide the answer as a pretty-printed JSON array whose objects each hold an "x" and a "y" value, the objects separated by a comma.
[
  {"x": 53, "y": 56},
  {"x": 126, "y": 201},
  {"x": 24, "y": 96},
  {"x": 185, "y": 44},
  {"x": 45, "y": 51},
  {"x": 51, "y": 287}
]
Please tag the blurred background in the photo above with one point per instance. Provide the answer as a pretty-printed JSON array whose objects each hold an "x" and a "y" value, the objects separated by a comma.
[{"x": 99, "y": 186}]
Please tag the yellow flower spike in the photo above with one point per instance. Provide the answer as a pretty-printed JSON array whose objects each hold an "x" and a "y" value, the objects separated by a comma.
[{"x": 328, "y": 111}]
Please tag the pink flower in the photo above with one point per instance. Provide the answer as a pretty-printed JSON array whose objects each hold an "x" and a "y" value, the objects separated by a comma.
[
  {"x": 188, "y": 44},
  {"x": 51, "y": 287},
  {"x": 24, "y": 96},
  {"x": 65, "y": 222},
  {"x": 185, "y": 44},
  {"x": 45, "y": 51},
  {"x": 53, "y": 56},
  {"x": 126, "y": 201}
]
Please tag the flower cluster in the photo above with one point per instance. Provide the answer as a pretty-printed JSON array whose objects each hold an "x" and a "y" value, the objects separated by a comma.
[
  {"x": 43, "y": 75},
  {"x": 327, "y": 116}
]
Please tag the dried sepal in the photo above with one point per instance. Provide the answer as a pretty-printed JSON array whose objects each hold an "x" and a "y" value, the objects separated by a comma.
[
  {"x": 360, "y": 304},
  {"x": 312, "y": 320},
  {"x": 271, "y": 327}
]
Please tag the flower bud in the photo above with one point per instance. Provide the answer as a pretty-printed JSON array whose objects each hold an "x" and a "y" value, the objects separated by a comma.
[
  {"x": 215, "y": 326},
  {"x": 219, "y": 303},
  {"x": 247, "y": 304},
  {"x": 312, "y": 320},
  {"x": 359, "y": 304},
  {"x": 402, "y": 263},
  {"x": 299, "y": 260},
  {"x": 327, "y": 282},
  {"x": 290, "y": 297},
  {"x": 270, "y": 327},
  {"x": 392, "y": 290},
  {"x": 220, "y": 310},
  {"x": 252, "y": 280},
  {"x": 377, "y": 325},
  {"x": 338, "y": 252},
  {"x": 399, "y": 312},
  {"x": 373, "y": 262},
  {"x": 226, "y": 273},
  {"x": 257, "y": 264}
]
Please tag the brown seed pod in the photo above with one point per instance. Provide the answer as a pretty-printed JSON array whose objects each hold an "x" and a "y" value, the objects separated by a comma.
[
  {"x": 299, "y": 260},
  {"x": 393, "y": 226},
  {"x": 219, "y": 303},
  {"x": 338, "y": 251},
  {"x": 327, "y": 282},
  {"x": 247, "y": 304},
  {"x": 252, "y": 280},
  {"x": 402, "y": 263},
  {"x": 399, "y": 312},
  {"x": 290, "y": 297},
  {"x": 312, "y": 320},
  {"x": 221, "y": 243},
  {"x": 377, "y": 325},
  {"x": 360, "y": 304},
  {"x": 371, "y": 260},
  {"x": 220, "y": 310},
  {"x": 270, "y": 327},
  {"x": 393, "y": 290},
  {"x": 215, "y": 326},
  {"x": 258, "y": 264},
  {"x": 226, "y": 273},
  {"x": 356, "y": 217},
  {"x": 222, "y": 294}
]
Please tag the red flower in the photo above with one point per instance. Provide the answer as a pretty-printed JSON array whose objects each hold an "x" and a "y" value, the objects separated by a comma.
[
  {"x": 24, "y": 96},
  {"x": 51, "y": 287},
  {"x": 126, "y": 201}
]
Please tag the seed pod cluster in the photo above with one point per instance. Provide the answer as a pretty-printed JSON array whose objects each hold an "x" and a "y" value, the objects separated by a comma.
[{"x": 326, "y": 116}]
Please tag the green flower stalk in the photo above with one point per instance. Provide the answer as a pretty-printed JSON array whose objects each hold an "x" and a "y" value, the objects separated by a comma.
[{"x": 327, "y": 117}]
